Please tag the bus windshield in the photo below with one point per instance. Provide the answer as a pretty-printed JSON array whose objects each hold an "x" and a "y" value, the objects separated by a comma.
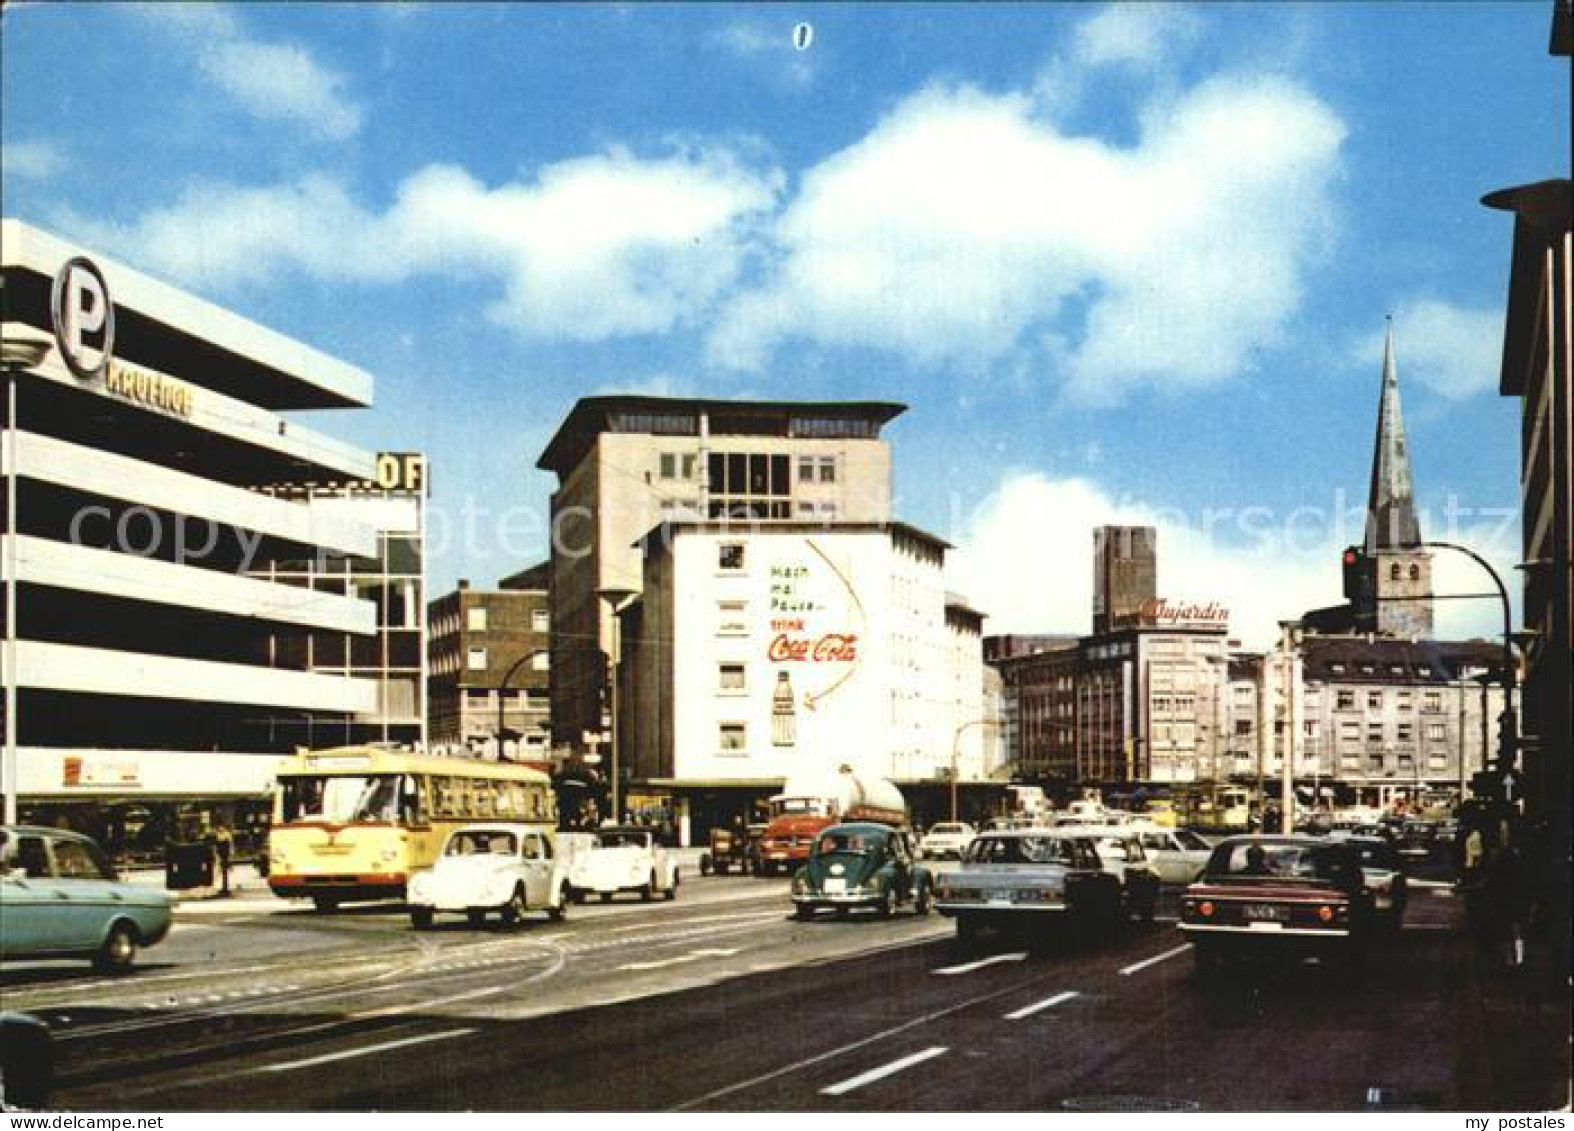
[{"x": 342, "y": 798}]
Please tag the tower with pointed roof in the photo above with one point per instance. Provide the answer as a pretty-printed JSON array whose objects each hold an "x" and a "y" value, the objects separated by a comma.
[{"x": 1396, "y": 597}]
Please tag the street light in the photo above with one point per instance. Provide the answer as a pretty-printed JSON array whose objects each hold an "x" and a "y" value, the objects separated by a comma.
[
  {"x": 616, "y": 600},
  {"x": 17, "y": 355},
  {"x": 502, "y": 693},
  {"x": 956, "y": 744}
]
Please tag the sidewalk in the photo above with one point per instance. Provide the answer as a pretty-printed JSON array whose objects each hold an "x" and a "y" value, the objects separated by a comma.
[
  {"x": 1514, "y": 1026},
  {"x": 245, "y": 881}
]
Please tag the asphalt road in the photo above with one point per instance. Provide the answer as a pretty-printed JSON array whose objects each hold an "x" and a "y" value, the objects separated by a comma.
[{"x": 720, "y": 1001}]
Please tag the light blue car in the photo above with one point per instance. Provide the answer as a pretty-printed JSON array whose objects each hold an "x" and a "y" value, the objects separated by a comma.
[{"x": 59, "y": 898}]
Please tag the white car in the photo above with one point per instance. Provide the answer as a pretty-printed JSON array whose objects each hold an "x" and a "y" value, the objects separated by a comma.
[
  {"x": 624, "y": 858},
  {"x": 1178, "y": 855},
  {"x": 948, "y": 838},
  {"x": 509, "y": 869}
]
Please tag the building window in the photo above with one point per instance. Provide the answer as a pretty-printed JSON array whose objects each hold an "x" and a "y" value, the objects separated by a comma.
[
  {"x": 1415, "y": 573},
  {"x": 1433, "y": 701},
  {"x": 1437, "y": 760},
  {"x": 476, "y": 660},
  {"x": 729, "y": 555},
  {"x": 540, "y": 620},
  {"x": 1243, "y": 726},
  {"x": 475, "y": 618},
  {"x": 1436, "y": 732},
  {"x": 1406, "y": 700},
  {"x": 1405, "y": 732},
  {"x": 1374, "y": 700},
  {"x": 1393, "y": 572},
  {"x": 732, "y": 738},
  {"x": 1346, "y": 701},
  {"x": 1374, "y": 733},
  {"x": 730, "y": 677},
  {"x": 816, "y": 469}
]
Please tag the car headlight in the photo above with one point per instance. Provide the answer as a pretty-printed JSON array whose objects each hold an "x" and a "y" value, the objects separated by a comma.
[{"x": 799, "y": 886}]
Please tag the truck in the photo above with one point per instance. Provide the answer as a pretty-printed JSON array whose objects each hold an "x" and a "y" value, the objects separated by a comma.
[{"x": 814, "y": 800}]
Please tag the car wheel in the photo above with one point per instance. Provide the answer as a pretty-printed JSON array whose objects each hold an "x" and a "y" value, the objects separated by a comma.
[
  {"x": 923, "y": 901},
  {"x": 476, "y": 918},
  {"x": 557, "y": 910},
  {"x": 672, "y": 892},
  {"x": 886, "y": 904},
  {"x": 802, "y": 912},
  {"x": 706, "y": 867},
  {"x": 325, "y": 903},
  {"x": 421, "y": 918},
  {"x": 514, "y": 910},
  {"x": 119, "y": 949},
  {"x": 648, "y": 892},
  {"x": 606, "y": 897},
  {"x": 576, "y": 895}
]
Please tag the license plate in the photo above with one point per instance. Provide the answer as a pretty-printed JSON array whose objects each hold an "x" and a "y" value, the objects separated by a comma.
[
  {"x": 1002, "y": 899},
  {"x": 835, "y": 885},
  {"x": 1264, "y": 913},
  {"x": 1264, "y": 925}
]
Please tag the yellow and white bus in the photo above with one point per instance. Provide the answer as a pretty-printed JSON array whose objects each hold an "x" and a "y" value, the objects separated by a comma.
[{"x": 354, "y": 822}]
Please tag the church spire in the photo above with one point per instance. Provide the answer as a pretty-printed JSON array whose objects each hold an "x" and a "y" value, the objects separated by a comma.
[{"x": 1391, "y": 518}]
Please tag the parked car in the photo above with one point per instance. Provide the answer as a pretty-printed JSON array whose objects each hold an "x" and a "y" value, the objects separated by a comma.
[
  {"x": 27, "y": 1062},
  {"x": 1016, "y": 878},
  {"x": 1384, "y": 876},
  {"x": 60, "y": 898},
  {"x": 732, "y": 848},
  {"x": 861, "y": 865},
  {"x": 624, "y": 858},
  {"x": 947, "y": 839},
  {"x": 1178, "y": 855},
  {"x": 503, "y": 868},
  {"x": 1291, "y": 895},
  {"x": 1121, "y": 853}
]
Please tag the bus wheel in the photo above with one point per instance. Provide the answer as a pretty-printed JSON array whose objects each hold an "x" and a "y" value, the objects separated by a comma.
[
  {"x": 476, "y": 918},
  {"x": 325, "y": 903},
  {"x": 421, "y": 918}
]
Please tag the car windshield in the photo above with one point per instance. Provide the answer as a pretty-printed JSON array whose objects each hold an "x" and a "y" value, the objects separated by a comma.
[
  {"x": 622, "y": 840},
  {"x": 481, "y": 842},
  {"x": 1282, "y": 860},
  {"x": 856, "y": 843},
  {"x": 1019, "y": 850}
]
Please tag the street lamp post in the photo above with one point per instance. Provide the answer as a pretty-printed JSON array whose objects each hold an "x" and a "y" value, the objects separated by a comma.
[
  {"x": 616, "y": 599},
  {"x": 1508, "y": 723},
  {"x": 16, "y": 356},
  {"x": 956, "y": 746},
  {"x": 502, "y": 692}
]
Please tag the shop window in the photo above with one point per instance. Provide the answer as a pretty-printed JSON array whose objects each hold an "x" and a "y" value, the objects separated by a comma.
[{"x": 729, "y": 556}]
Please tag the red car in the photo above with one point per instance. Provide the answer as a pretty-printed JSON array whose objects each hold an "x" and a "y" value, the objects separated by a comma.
[{"x": 1278, "y": 895}]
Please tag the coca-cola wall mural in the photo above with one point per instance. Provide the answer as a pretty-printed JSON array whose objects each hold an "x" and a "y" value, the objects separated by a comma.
[{"x": 815, "y": 634}]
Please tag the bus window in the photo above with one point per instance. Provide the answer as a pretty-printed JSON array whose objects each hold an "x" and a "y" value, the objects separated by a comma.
[{"x": 411, "y": 809}]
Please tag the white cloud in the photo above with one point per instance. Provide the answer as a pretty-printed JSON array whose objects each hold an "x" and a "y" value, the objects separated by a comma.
[
  {"x": 32, "y": 160},
  {"x": 1455, "y": 351},
  {"x": 1024, "y": 557},
  {"x": 966, "y": 227},
  {"x": 276, "y": 81},
  {"x": 767, "y": 47},
  {"x": 591, "y": 248},
  {"x": 282, "y": 81},
  {"x": 1141, "y": 34}
]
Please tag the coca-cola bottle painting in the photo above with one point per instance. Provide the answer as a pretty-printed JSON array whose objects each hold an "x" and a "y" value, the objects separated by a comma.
[{"x": 784, "y": 718}]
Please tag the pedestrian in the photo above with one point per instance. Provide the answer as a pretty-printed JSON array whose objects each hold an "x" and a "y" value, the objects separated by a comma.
[{"x": 224, "y": 849}]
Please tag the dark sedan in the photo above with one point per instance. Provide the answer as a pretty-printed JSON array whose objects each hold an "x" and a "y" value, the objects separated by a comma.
[{"x": 1287, "y": 895}]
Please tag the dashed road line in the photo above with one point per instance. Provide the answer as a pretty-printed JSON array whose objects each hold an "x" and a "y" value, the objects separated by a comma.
[
  {"x": 366, "y": 1050},
  {"x": 1029, "y": 1010},
  {"x": 969, "y": 967},
  {"x": 1126, "y": 972},
  {"x": 883, "y": 1071},
  {"x": 691, "y": 956}
]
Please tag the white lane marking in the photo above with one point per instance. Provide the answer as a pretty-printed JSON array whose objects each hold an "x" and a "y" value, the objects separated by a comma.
[
  {"x": 364, "y": 1051},
  {"x": 881, "y": 1073},
  {"x": 1155, "y": 960},
  {"x": 969, "y": 967},
  {"x": 1029, "y": 1010},
  {"x": 691, "y": 956}
]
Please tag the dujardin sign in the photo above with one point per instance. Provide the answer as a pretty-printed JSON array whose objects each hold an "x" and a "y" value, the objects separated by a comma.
[{"x": 1164, "y": 613}]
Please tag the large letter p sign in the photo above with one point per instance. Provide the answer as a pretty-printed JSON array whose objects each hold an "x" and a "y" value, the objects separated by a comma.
[{"x": 84, "y": 318}]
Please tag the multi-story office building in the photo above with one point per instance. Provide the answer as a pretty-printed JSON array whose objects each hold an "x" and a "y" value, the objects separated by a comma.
[
  {"x": 480, "y": 639},
  {"x": 145, "y": 658},
  {"x": 756, "y": 652},
  {"x": 393, "y": 502},
  {"x": 626, "y": 463}
]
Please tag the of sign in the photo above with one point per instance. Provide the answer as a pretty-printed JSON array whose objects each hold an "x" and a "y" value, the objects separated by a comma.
[{"x": 84, "y": 318}]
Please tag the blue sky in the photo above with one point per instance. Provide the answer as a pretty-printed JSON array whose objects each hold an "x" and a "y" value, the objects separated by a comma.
[{"x": 1123, "y": 262}]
